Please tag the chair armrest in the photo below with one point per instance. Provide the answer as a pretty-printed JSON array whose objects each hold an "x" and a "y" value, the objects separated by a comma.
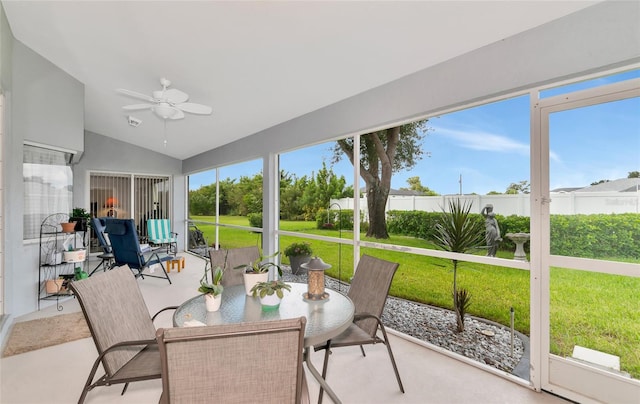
[
  {"x": 124, "y": 344},
  {"x": 363, "y": 316},
  {"x": 165, "y": 309}
]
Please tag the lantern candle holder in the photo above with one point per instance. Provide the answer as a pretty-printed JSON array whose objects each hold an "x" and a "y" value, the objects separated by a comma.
[{"x": 315, "y": 278}]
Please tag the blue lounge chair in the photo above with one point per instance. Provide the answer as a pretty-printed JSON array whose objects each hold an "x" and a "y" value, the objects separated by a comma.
[{"x": 126, "y": 249}]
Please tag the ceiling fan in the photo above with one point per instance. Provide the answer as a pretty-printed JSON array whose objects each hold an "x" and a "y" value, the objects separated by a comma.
[{"x": 168, "y": 103}]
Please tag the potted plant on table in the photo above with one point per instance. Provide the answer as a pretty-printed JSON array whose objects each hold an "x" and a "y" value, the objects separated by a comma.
[
  {"x": 298, "y": 253},
  {"x": 258, "y": 271},
  {"x": 270, "y": 293},
  {"x": 212, "y": 290}
]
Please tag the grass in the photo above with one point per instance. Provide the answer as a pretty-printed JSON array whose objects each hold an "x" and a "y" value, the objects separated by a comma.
[{"x": 597, "y": 311}]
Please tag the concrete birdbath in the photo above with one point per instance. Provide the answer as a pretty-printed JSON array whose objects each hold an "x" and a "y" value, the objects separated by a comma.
[{"x": 519, "y": 239}]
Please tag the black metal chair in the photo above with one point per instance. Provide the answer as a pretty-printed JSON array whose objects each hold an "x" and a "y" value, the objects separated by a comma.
[
  {"x": 127, "y": 251},
  {"x": 106, "y": 258}
]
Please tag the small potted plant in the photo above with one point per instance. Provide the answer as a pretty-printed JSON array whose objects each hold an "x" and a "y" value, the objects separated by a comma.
[
  {"x": 298, "y": 253},
  {"x": 270, "y": 293},
  {"x": 212, "y": 290},
  {"x": 258, "y": 271},
  {"x": 81, "y": 218}
]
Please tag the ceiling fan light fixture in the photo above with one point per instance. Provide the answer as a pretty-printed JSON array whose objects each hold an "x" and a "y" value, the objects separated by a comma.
[{"x": 164, "y": 111}]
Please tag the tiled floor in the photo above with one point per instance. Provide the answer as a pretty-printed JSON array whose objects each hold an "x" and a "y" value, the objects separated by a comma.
[{"x": 57, "y": 374}]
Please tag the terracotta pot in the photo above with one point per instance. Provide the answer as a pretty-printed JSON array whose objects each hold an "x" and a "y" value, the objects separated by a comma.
[{"x": 68, "y": 227}]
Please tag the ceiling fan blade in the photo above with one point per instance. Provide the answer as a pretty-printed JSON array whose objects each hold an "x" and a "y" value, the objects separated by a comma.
[
  {"x": 136, "y": 107},
  {"x": 193, "y": 108},
  {"x": 135, "y": 95},
  {"x": 175, "y": 96}
]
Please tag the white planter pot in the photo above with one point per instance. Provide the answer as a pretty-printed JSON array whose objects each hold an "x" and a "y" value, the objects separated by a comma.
[
  {"x": 270, "y": 302},
  {"x": 251, "y": 279},
  {"x": 212, "y": 302}
]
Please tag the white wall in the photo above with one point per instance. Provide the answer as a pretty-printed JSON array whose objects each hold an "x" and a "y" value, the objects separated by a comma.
[
  {"x": 32, "y": 114},
  {"x": 585, "y": 203},
  {"x": 49, "y": 102},
  {"x": 103, "y": 153}
]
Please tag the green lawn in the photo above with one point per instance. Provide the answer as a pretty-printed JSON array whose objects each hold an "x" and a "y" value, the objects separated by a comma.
[{"x": 598, "y": 311}]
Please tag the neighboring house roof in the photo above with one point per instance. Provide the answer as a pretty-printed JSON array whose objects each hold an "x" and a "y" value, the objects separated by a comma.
[
  {"x": 398, "y": 192},
  {"x": 404, "y": 192},
  {"x": 565, "y": 190},
  {"x": 619, "y": 185}
]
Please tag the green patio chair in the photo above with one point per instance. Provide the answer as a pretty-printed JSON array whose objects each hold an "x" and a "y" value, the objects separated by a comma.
[{"x": 159, "y": 233}]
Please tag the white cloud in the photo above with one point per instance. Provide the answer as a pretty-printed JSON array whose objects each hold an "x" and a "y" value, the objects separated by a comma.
[
  {"x": 484, "y": 141},
  {"x": 477, "y": 140}
]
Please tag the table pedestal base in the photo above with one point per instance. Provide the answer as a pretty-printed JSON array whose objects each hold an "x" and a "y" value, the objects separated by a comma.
[{"x": 318, "y": 376}]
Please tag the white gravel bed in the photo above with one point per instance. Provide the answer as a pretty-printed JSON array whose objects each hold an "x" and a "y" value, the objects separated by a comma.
[{"x": 485, "y": 342}]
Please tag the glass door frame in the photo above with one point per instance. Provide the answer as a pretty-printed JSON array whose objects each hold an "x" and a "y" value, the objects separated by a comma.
[{"x": 550, "y": 372}]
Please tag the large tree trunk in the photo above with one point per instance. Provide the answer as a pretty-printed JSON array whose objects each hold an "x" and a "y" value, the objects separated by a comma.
[
  {"x": 377, "y": 175},
  {"x": 376, "y": 203}
]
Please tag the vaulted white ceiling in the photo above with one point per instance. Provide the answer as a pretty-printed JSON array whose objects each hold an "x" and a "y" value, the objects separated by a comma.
[{"x": 257, "y": 64}]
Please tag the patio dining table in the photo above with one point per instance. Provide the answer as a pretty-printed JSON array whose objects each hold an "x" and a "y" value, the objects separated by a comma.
[{"x": 325, "y": 319}]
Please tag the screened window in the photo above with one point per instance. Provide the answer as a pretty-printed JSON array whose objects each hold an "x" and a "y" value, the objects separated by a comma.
[{"x": 48, "y": 186}]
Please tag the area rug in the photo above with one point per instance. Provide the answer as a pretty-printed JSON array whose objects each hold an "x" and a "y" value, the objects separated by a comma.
[{"x": 36, "y": 334}]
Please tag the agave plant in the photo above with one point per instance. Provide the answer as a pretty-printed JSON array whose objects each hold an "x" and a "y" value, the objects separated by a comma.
[{"x": 457, "y": 231}]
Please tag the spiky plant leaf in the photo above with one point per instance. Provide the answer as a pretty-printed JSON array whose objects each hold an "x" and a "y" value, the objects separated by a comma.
[{"x": 457, "y": 231}]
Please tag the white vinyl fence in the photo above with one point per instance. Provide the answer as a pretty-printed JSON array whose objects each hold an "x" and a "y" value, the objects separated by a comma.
[{"x": 561, "y": 203}]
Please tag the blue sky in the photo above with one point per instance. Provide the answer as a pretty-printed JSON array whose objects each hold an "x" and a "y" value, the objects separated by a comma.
[{"x": 488, "y": 146}]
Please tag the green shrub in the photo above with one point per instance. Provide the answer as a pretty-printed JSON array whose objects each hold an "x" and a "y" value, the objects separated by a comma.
[
  {"x": 335, "y": 219},
  {"x": 255, "y": 219},
  {"x": 596, "y": 236},
  {"x": 586, "y": 236}
]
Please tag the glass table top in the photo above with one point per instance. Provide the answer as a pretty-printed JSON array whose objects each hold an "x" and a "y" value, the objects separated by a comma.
[{"x": 325, "y": 319}]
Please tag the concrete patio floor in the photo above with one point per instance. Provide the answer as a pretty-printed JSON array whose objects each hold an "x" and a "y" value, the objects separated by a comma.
[{"x": 57, "y": 374}]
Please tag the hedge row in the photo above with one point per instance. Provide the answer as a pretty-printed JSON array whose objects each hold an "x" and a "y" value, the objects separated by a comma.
[{"x": 587, "y": 236}]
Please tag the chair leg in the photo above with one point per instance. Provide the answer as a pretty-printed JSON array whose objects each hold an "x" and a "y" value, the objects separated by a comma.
[
  {"x": 325, "y": 365},
  {"x": 393, "y": 361},
  {"x": 165, "y": 272},
  {"x": 88, "y": 385},
  {"x": 101, "y": 264}
]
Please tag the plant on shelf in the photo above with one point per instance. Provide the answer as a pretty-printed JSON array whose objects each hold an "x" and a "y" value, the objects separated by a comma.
[
  {"x": 212, "y": 290},
  {"x": 270, "y": 293},
  {"x": 258, "y": 271},
  {"x": 298, "y": 253},
  {"x": 81, "y": 218}
]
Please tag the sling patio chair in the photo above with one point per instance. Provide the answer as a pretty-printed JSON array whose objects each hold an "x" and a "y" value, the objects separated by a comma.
[
  {"x": 231, "y": 258},
  {"x": 106, "y": 258},
  {"x": 159, "y": 233},
  {"x": 254, "y": 362},
  {"x": 121, "y": 327},
  {"x": 127, "y": 251},
  {"x": 368, "y": 291}
]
